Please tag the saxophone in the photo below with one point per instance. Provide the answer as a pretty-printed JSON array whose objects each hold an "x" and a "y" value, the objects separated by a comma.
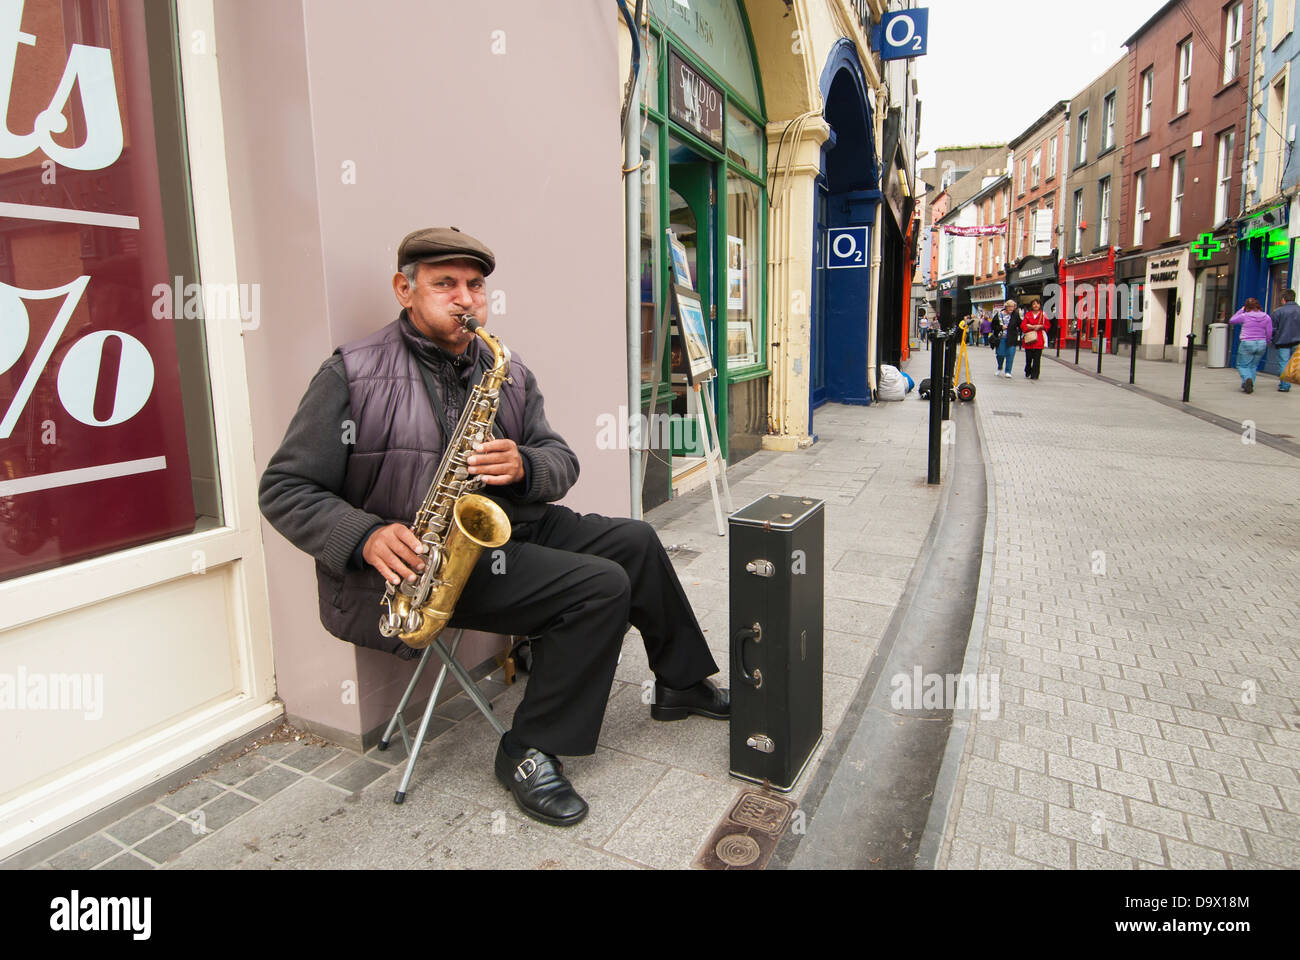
[{"x": 454, "y": 523}]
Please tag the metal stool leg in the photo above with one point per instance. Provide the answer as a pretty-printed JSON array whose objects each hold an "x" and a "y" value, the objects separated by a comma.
[
  {"x": 467, "y": 684},
  {"x": 397, "y": 720},
  {"x": 413, "y": 749}
]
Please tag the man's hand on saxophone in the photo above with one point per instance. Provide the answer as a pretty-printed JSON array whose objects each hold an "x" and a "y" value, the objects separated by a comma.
[
  {"x": 394, "y": 551},
  {"x": 497, "y": 462}
]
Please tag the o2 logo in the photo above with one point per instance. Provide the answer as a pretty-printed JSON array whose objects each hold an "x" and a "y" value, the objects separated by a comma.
[{"x": 903, "y": 34}]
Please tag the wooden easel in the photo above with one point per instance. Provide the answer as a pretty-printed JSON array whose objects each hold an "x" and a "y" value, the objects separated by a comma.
[{"x": 717, "y": 467}]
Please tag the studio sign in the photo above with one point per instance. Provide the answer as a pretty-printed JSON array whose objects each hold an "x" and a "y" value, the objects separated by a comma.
[{"x": 693, "y": 101}]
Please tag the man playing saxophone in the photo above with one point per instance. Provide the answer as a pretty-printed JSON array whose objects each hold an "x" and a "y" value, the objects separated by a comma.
[{"x": 573, "y": 581}]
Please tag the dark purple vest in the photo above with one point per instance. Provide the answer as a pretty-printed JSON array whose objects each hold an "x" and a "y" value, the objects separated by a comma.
[{"x": 399, "y": 444}]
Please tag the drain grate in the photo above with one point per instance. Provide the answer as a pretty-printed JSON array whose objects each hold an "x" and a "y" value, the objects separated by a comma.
[
  {"x": 747, "y": 836},
  {"x": 1007, "y": 413}
]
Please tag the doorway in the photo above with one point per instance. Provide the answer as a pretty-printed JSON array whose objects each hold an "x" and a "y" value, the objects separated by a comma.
[{"x": 692, "y": 216}]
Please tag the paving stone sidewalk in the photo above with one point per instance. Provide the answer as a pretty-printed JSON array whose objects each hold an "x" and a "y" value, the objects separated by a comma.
[
  {"x": 1216, "y": 390},
  {"x": 1143, "y": 620},
  {"x": 656, "y": 789}
]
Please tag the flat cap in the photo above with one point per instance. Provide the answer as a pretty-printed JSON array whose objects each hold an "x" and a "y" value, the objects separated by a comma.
[{"x": 437, "y": 244}]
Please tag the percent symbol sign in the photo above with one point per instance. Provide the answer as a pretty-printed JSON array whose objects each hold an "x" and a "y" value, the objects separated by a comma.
[{"x": 79, "y": 370}]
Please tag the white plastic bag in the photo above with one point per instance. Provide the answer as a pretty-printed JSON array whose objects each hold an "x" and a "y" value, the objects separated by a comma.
[{"x": 892, "y": 385}]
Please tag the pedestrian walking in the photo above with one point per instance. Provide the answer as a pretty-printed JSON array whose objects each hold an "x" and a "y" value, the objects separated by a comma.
[
  {"x": 1006, "y": 326},
  {"x": 1286, "y": 334},
  {"x": 925, "y": 329},
  {"x": 986, "y": 328},
  {"x": 1256, "y": 331},
  {"x": 1033, "y": 337}
]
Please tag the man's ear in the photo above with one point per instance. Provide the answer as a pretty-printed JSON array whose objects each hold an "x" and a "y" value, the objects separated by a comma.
[{"x": 402, "y": 289}]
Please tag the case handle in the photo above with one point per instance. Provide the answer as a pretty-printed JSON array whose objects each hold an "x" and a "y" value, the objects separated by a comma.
[{"x": 738, "y": 667}]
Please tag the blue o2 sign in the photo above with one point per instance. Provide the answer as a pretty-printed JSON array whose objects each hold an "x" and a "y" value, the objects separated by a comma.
[
  {"x": 846, "y": 247},
  {"x": 903, "y": 34}
]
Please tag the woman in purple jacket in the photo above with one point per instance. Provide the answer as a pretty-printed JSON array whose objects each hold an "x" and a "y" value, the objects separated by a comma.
[{"x": 1256, "y": 332}]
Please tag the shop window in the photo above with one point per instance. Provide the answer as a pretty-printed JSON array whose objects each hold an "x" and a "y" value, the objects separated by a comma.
[
  {"x": 650, "y": 63},
  {"x": 744, "y": 141},
  {"x": 744, "y": 289},
  {"x": 106, "y": 428},
  {"x": 651, "y": 251}
]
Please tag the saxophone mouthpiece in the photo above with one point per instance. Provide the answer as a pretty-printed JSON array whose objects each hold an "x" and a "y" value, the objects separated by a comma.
[{"x": 469, "y": 322}]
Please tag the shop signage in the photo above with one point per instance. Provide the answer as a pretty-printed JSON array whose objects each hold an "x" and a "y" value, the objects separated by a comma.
[
  {"x": 1033, "y": 269},
  {"x": 902, "y": 35},
  {"x": 948, "y": 286},
  {"x": 694, "y": 102},
  {"x": 1165, "y": 271},
  {"x": 846, "y": 247},
  {"x": 93, "y": 452},
  {"x": 988, "y": 293}
]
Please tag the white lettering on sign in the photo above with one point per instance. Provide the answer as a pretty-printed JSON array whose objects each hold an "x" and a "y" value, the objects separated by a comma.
[
  {"x": 906, "y": 38},
  {"x": 79, "y": 371},
  {"x": 90, "y": 69},
  {"x": 846, "y": 247}
]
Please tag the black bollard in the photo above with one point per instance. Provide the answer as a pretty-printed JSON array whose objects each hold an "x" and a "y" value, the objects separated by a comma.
[
  {"x": 1187, "y": 374},
  {"x": 1132, "y": 355},
  {"x": 1101, "y": 347},
  {"x": 1078, "y": 335},
  {"x": 936, "y": 408},
  {"x": 950, "y": 346}
]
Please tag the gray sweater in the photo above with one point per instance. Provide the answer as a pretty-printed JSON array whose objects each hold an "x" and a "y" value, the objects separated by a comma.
[{"x": 299, "y": 489}]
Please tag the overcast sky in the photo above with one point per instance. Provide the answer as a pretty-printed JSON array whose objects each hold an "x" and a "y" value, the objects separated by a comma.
[{"x": 994, "y": 68}]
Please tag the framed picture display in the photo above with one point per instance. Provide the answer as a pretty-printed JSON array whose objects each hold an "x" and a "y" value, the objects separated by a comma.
[
  {"x": 740, "y": 343},
  {"x": 694, "y": 335},
  {"x": 681, "y": 265},
  {"x": 735, "y": 273}
]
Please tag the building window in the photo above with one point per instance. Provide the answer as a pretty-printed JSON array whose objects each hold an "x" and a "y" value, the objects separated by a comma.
[
  {"x": 1184, "y": 75},
  {"x": 1148, "y": 87},
  {"x": 1139, "y": 206},
  {"x": 744, "y": 279},
  {"x": 1108, "y": 122},
  {"x": 1231, "y": 42},
  {"x": 1078, "y": 221},
  {"x": 1023, "y": 166},
  {"x": 1083, "y": 137},
  {"x": 1036, "y": 167},
  {"x": 1051, "y": 158},
  {"x": 1177, "y": 168},
  {"x": 1020, "y": 235},
  {"x": 1275, "y": 147},
  {"x": 1283, "y": 20},
  {"x": 1227, "y": 140},
  {"x": 1103, "y": 213}
]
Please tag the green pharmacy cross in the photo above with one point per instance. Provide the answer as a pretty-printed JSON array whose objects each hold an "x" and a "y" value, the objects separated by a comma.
[{"x": 1206, "y": 246}]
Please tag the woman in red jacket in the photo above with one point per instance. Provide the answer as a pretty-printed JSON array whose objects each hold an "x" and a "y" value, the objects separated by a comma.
[{"x": 1033, "y": 330}]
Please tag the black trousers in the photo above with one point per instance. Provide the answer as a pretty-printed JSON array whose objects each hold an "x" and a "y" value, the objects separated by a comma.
[
  {"x": 575, "y": 581},
  {"x": 1033, "y": 361}
]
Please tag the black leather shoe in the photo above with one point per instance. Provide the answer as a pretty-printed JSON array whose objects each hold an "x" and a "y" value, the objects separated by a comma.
[
  {"x": 704, "y": 698},
  {"x": 539, "y": 788}
]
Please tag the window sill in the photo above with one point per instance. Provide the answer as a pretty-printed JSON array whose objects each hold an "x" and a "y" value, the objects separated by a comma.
[
  {"x": 751, "y": 372},
  {"x": 1235, "y": 81},
  {"x": 1110, "y": 149},
  {"x": 1139, "y": 139},
  {"x": 1079, "y": 166},
  {"x": 1178, "y": 116}
]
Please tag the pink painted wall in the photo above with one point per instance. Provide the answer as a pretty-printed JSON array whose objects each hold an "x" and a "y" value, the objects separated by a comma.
[{"x": 498, "y": 117}]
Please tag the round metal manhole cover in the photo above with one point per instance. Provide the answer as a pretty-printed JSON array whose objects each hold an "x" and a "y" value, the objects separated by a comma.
[{"x": 737, "y": 850}]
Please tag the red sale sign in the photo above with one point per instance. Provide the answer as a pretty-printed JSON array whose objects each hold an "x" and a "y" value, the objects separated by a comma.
[{"x": 93, "y": 453}]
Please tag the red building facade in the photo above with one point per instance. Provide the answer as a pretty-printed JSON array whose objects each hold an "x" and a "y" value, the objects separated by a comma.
[{"x": 1188, "y": 73}]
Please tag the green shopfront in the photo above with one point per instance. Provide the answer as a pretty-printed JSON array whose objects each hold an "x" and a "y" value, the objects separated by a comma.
[{"x": 703, "y": 176}]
